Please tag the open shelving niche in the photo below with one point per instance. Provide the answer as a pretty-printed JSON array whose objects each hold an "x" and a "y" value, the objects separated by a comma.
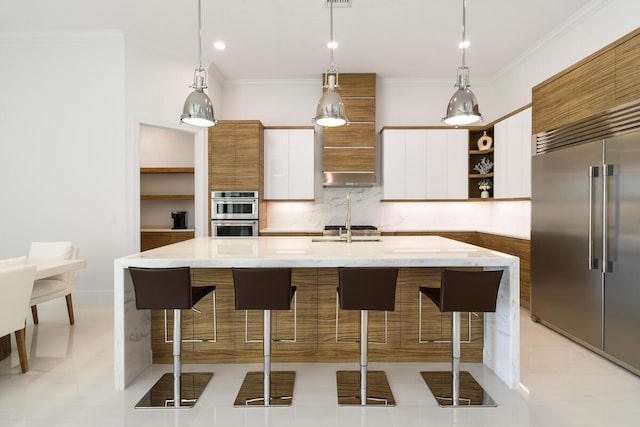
[
  {"x": 475, "y": 157},
  {"x": 167, "y": 184}
]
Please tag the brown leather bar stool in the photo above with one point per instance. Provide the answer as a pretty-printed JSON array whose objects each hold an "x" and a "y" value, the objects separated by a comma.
[
  {"x": 264, "y": 289},
  {"x": 460, "y": 291},
  {"x": 170, "y": 288},
  {"x": 365, "y": 289}
]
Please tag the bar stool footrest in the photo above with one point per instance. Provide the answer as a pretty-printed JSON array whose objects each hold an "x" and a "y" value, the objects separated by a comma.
[
  {"x": 378, "y": 389},
  {"x": 252, "y": 389},
  {"x": 471, "y": 393},
  {"x": 160, "y": 396}
]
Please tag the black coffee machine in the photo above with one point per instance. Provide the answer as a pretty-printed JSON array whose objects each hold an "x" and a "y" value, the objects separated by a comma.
[{"x": 179, "y": 220}]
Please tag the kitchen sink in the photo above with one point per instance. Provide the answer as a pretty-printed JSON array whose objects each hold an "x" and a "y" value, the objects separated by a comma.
[{"x": 344, "y": 239}]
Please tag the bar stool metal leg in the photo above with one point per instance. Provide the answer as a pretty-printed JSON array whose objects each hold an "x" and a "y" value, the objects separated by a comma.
[
  {"x": 364, "y": 333},
  {"x": 277, "y": 386},
  {"x": 177, "y": 365},
  {"x": 456, "y": 388},
  {"x": 364, "y": 387},
  {"x": 176, "y": 390},
  {"x": 266, "y": 345}
]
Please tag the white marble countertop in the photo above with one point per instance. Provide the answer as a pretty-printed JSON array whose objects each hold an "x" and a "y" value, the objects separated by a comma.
[
  {"x": 518, "y": 234},
  {"x": 166, "y": 230},
  {"x": 303, "y": 251},
  {"x": 132, "y": 331}
]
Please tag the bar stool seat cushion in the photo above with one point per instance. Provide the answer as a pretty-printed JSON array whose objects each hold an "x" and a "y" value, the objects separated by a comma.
[
  {"x": 263, "y": 288},
  {"x": 466, "y": 291},
  {"x": 166, "y": 288},
  {"x": 367, "y": 288}
]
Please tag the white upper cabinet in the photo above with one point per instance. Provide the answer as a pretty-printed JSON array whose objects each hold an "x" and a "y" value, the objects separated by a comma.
[
  {"x": 288, "y": 164},
  {"x": 420, "y": 164},
  {"x": 512, "y": 140}
]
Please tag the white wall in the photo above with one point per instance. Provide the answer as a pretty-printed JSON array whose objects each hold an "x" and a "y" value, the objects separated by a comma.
[
  {"x": 601, "y": 22},
  {"x": 62, "y": 147},
  {"x": 157, "y": 86}
]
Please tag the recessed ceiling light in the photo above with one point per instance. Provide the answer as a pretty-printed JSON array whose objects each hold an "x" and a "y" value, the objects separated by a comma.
[
  {"x": 332, "y": 44},
  {"x": 219, "y": 45}
]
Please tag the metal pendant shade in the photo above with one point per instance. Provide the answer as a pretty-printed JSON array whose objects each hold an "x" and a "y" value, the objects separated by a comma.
[
  {"x": 463, "y": 106},
  {"x": 198, "y": 109},
  {"x": 330, "y": 111}
]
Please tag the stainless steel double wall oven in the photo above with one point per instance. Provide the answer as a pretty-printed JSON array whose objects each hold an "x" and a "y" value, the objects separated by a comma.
[{"x": 234, "y": 213}]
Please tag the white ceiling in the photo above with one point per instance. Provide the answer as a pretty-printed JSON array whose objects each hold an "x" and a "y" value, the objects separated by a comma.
[{"x": 287, "y": 38}]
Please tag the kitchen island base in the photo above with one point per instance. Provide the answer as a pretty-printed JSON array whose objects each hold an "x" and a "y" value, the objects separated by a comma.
[{"x": 494, "y": 340}]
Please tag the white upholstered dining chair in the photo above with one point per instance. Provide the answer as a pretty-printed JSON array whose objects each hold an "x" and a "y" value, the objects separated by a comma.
[
  {"x": 16, "y": 283},
  {"x": 55, "y": 286}
]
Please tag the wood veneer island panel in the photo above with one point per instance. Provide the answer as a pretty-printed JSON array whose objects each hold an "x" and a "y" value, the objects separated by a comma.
[
  {"x": 316, "y": 339},
  {"x": 314, "y": 264}
]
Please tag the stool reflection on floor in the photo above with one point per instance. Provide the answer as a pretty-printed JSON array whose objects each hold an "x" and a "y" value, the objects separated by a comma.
[
  {"x": 365, "y": 289},
  {"x": 170, "y": 288},
  {"x": 264, "y": 289},
  {"x": 473, "y": 291}
]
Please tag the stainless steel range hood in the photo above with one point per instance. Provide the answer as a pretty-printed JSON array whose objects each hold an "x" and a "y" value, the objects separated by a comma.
[{"x": 348, "y": 179}]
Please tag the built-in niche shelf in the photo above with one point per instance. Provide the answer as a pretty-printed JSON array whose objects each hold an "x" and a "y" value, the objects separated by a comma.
[
  {"x": 167, "y": 184},
  {"x": 475, "y": 157}
]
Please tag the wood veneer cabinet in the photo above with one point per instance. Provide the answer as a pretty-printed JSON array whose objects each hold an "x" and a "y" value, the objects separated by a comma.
[
  {"x": 628, "y": 71},
  {"x": 353, "y": 147},
  {"x": 155, "y": 239},
  {"x": 236, "y": 155},
  {"x": 605, "y": 79}
]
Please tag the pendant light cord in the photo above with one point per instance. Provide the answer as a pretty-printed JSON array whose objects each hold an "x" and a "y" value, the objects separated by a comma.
[
  {"x": 200, "y": 37},
  {"x": 333, "y": 68},
  {"x": 464, "y": 31}
]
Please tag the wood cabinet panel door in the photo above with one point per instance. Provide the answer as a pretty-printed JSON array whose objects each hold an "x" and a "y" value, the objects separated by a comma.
[
  {"x": 235, "y": 156},
  {"x": 593, "y": 87},
  {"x": 628, "y": 71},
  {"x": 356, "y": 135},
  {"x": 550, "y": 105},
  {"x": 357, "y": 84},
  {"x": 247, "y": 161},
  {"x": 221, "y": 156},
  {"x": 349, "y": 159},
  {"x": 360, "y": 109}
]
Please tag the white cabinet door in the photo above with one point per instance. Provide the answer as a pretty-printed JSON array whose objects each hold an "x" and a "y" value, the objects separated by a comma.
[
  {"x": 301, "y": 164},
  {"x": 415, "y": 170},
  {"x": 288, "y": 164},
  {"x": 393, "y": 165},
  {"x": 512, "y": 155},
  {"x": 457, "y": 164},
  {"x": 436, "y": 164},
  {"x": 276, "y": 164},
  {"x": 422, "y": 164}
]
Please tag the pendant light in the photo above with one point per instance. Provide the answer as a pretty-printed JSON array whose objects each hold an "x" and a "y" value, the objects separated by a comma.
[
  {"x": 463, "y": 105},
  {"x": 330, "y": 111},
  {"x": 198, "y": 109}
]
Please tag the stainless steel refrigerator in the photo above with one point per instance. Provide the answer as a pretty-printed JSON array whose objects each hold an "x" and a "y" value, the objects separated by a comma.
[{"x": 585, "y": 234}]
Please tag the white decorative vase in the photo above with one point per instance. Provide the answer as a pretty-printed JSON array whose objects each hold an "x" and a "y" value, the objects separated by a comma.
[
  {"x": 485, "y": 142},
  {"x": 484, "y": 194}
]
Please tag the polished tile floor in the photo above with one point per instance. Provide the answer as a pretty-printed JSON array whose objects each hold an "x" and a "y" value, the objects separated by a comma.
[{"x": 70, "y": 384}]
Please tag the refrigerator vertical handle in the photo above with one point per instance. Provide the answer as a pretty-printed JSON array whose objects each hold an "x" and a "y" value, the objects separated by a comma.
[
  {"x": 607, "y": 171},
  {"x": 593, "y": 174}
]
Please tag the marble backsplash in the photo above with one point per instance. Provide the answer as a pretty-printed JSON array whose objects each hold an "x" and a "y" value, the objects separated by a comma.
[{"x": 502, "y": 217}]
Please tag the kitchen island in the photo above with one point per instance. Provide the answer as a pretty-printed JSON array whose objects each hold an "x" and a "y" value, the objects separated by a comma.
[{"x": 132, "y": 333}]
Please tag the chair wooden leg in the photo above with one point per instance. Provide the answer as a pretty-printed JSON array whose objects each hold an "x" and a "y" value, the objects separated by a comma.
[
  {"x": 22, "y": 349},
  {"x": 72, "y": 320},
  {"x": 34, "y": 314}
]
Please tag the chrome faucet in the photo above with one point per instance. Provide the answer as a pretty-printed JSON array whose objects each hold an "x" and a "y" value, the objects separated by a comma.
[{"x": 347, "y": 234}]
